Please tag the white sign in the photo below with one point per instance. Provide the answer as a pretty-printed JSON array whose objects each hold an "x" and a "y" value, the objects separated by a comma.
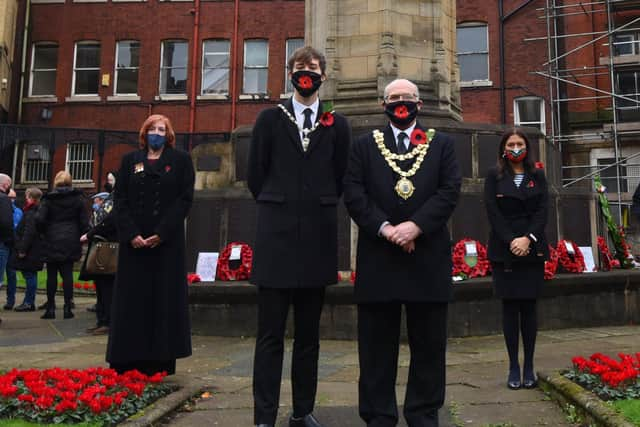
[
  {"x": 569, "y": 247},
  {"x": 207, "y": 265},
  {"x": 236, "y": 253},
  {"x": 471, "y": 248},
  {"x": 589, "y": 263}
]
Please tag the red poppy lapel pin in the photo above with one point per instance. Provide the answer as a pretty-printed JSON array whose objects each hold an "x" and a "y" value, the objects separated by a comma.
[
  {"x": 167, "y": 168},
  {"x": 539, "y": 165},
  {"x": 418, "y": 137},
  {"x": 531, "y": 184},
  {"x": 326, "y": 119}
]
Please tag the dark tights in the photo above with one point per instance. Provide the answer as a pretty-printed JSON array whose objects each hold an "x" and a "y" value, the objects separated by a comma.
[{"x": 520, "y": 316}]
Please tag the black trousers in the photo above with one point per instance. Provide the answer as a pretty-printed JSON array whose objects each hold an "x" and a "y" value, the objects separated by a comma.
[
  {"x": 273, "y": 307},
  {"x": 104, "y": 293},
  {"x": 378, "y": 342},
  {"x": 66, "y": 272}
]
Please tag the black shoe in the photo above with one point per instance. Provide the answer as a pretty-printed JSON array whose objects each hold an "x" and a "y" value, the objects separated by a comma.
[
  {"x": 513, "y": 382},
  {"x": 72, "y": 304},
  {"x": 66, "y": 312},
  {"x": 44, "y": 305},
  {"x": 529, "y": 380},
  {"x": 306, "y": 421},
  {"x": 25, "y": 307},
  {"x": 50, "y": 313},
  {"x": 8, "y": 306},
  {"x": 91, "y": 309}
]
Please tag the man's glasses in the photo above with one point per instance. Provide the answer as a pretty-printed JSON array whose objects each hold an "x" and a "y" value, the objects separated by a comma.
[{"x": 401, "y": 97}]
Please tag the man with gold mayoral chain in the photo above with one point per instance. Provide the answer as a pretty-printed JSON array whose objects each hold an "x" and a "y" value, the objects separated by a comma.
[{"x": 401, "y": 187}]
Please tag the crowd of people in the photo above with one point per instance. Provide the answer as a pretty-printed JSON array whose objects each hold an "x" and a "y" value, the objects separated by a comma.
[{"x": 399, "y": 184}]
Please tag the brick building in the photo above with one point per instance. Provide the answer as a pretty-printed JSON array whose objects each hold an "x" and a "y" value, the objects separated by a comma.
[
  {"x": 8, "y": 12},
  {"x": 210, "y": 66}
]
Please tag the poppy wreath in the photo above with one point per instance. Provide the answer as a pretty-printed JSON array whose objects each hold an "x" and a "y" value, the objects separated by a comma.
[
  {"x": 224, "y": 272},
  {"x": 551, "y": 265},
  {"x": 461, "y": 268},
  {"x": 571, "y": 264},
  {"x": 193, "y": 278},
  {"x": 608, "y": 261}
]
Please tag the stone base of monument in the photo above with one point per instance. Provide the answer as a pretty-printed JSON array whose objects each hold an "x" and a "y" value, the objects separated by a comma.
[{"x": 569, "y": 301}]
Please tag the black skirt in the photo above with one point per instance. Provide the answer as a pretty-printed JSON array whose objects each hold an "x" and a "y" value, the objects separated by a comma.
[{"x": 523, "y": 281}]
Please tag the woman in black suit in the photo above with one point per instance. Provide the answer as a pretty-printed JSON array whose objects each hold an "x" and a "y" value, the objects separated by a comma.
[{"x": 516, "y": 199}]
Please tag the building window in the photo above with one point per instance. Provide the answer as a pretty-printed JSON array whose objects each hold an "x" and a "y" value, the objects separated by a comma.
[
  {"x": 529, "y": 111},
  {"x": 86, "y": 68},
  {"x": 609, "y": 176},
  {"x": 36, "y": 163},
  {"x": 473, "y": 52},
  {"x": 127, "y": 64},
  {"x": 256, "y": 54},
  {"x": 80, "y": 161},
  {"x": 215, "y": 67},
  {"x": 44, "y": 63},
  {"x": 628, "y": 85},
  {"x": 626, "y": 44},
  {"x": 173, "y": 69},
  {"x": 292, "y": 45}
]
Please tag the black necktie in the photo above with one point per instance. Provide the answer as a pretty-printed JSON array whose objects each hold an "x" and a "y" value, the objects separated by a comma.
[
  {"x": 402, "y": 148},
  {"x": 307, "y": 118}
]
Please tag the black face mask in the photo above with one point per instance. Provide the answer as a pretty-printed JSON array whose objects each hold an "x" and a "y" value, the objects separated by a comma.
[
  {"x": 401, "y": 113},
  {"x": 108, "y": 187},
  {"x": 306, "y": 82}
]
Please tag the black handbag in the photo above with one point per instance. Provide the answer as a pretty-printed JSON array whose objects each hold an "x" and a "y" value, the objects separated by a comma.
[{"x": 102, "y": 257}]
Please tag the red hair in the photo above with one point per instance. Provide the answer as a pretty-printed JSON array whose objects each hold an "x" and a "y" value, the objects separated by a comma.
[{"x": 142, "y": 136}]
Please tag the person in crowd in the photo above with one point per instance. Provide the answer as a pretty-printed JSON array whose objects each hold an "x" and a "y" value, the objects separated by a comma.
[
  {"x": 62, "y": 218},
  {"x": 6, "y": 223},
  {"x": 104, "y": 229},
  {"x": 515, "y": 195},
  {"x": 97, "y": 212},
  {"x": 297, "y": 161},
  {"x": 26, "y": 256},
  {"x": 150, "y": 326},
  {"x": 401, "y": 187},
  {"x": 12, "y": 278}
]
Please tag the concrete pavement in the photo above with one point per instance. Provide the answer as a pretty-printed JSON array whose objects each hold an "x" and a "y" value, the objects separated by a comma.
[{"x": 476, "y": 373}]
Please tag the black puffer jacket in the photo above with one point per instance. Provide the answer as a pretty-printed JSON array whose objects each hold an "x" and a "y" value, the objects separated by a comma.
[
  {"x": 28, "y": 242},
  {"x": 62, "y": 218}
]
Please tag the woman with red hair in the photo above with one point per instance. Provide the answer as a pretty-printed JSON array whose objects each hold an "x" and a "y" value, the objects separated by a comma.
[{"x": 150, "y": 325}]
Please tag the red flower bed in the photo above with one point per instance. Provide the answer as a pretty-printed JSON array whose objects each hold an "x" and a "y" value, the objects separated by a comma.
[
  {"x": 608, "y": 378},
  {"x": 93, "y": 395},
  {"x": 461, "y": 268}
]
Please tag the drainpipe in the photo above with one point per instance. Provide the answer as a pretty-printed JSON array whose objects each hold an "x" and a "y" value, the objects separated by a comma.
[
  {"x": 234, "y": 64},
  {"x": 194, "y": 68},
  {"x": 503, "y": 94},
  {"x": 23, "y": 64}
]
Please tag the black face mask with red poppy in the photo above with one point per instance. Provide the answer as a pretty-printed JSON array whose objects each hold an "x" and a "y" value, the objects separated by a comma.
[
  {"x": 401, "y": 113},
  {"x": 306, "y": 82}
]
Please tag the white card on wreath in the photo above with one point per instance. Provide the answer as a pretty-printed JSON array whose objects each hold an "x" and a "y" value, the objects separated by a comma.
[
  {"x": 471, "y": 248},
  {"x": 569, "y": 247},
  {"x": 207, "y": 265},
  {"x": 589, "y": 262},
  {"x": 236, "y": 253}
]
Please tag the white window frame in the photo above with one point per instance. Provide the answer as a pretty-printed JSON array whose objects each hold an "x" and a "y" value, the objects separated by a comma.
[
  {"x": 115, "y": 73},
  {"x": 33, "y": 62},
  {"x": 70, "y": 163},
  {"x": 202, "y": 89},
  {"x": 619, "y": 90},
  {"x": 477, "y": 82},
  {"x": 288, "y": 87},
  {"x": 162, "y": 67},
  {"x": 45, "y": 163},
  {"x": 75, "y": 58},
  {"x": 633, "y": 40},
  {"x": 542, "y": 125},
  {"x": 254, "y": 67}
]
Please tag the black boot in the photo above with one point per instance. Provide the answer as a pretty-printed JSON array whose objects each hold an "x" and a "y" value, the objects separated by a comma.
[
  {"x": 67, "y": 313},
  {"x": 50, "y": 312}
]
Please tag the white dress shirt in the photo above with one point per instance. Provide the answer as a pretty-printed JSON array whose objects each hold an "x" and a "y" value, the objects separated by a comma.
[{"x": 298, "y": 109}]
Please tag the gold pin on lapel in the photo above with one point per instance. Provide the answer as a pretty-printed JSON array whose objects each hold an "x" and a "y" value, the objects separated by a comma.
[{"x": 138, "y": 167}]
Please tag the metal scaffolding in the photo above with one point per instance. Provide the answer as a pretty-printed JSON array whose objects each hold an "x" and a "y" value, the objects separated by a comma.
[{"x": 557, "y": 14}]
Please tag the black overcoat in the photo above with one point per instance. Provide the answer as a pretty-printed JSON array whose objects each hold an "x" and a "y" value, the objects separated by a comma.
[
  {"x": 297, "y": 193},
  {"x": 516, "y": 212},
  {"x": 63, "y": 218},
  {"x": 150, "y": 314},
  {"x": 384, "y": 272},
  {"x": 29, "y": 242}
]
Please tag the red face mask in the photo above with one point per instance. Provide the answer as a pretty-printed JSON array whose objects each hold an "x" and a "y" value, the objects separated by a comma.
[{"x": 516, "y": 156}]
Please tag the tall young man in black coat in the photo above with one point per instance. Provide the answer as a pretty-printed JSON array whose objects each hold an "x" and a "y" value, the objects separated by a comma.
[
  {"x": 297, "y": 162},
  {"x": 401, "y": 187}
]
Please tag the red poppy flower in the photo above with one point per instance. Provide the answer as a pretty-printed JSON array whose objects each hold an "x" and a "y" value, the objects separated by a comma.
[
  {"x": 531, "y": 184},
  {"x": 167, "y": 168},
  {"x": 539, "y": 165},
  {"x": 401, "y": 112},
  {"x": 305, "y": 82},
  {"x": 326, "y": 119},
  {"x": 418, "y": 137}
]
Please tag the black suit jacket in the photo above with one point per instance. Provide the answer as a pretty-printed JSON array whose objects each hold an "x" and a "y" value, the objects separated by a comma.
[
  {"x": 384, "y": 271},
  {"x": 297, "y": 194},
  {"x": 516, "y": 212}
]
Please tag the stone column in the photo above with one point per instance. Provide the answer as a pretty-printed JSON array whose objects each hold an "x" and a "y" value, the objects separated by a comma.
[{"x": 368, "y": 43}]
